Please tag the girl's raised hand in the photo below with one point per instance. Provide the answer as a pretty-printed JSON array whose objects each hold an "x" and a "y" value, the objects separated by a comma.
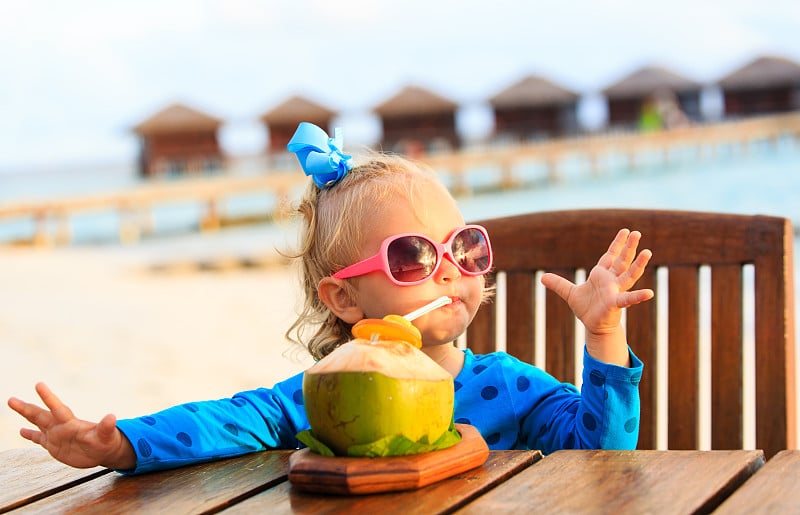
[
  {"x": 78, "y": 443},
  {"x": 599, "y": 301}
]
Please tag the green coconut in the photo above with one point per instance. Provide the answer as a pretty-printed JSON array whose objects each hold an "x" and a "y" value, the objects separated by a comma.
[{"x": 379, "y": 398}]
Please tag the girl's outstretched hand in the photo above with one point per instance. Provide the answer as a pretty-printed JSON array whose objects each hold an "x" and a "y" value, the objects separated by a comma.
[
  {"x": 76, "y": 442},
  {"x": 599, "y": 301}
]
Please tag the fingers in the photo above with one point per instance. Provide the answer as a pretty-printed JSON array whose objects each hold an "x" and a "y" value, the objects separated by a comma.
[
  {"x": 562, "y": 287},
  {"x": 32, "y": 413},
  {"x": 59, "y": 410},
  {"x": 633, "y": 272},
  {"x": 621, "y": 257},
  {"x": 42, "y": 418},
  {"x": 629, "y": 250},
  {"x": 629, "y": 298},
  {"x": 31, "y": 434},
  {"x": 106, "y": 428},
  {"x": 636, "y": 269},
  {"x": 17, "y": 405},
  {"x": 608, "y": 259}
]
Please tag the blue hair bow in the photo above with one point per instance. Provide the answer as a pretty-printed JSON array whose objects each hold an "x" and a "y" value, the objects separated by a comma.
[{"x": 320, "y": 156}]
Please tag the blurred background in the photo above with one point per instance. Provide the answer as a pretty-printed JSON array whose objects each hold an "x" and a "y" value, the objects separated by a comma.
[
  {"x": 143, "y": 170},
  {"x": 78, "y": 77}
]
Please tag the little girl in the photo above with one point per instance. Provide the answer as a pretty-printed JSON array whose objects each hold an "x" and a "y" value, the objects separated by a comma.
[{"x": 386, "y": 237}]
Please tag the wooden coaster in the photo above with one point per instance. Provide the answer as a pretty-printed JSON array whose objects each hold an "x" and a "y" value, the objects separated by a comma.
[{"x": 345, "y": 475}]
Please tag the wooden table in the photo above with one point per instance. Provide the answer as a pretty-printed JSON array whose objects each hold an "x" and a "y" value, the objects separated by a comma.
[
  {"x": 509, "y": 482},
  {"x": 775, "y": 489},
  {"x": 623, "y": 482}
]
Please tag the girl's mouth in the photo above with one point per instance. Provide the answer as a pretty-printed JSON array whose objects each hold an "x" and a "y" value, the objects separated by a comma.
[
  {"x": 455, "y": 300},
  {"x": 435, "y": 304}
]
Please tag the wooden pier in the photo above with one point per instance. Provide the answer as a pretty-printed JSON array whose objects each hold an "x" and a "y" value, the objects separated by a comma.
[
  {"x": 699, "y": 141},
  {"x": 52, "y": 218},
  {"x": 134, "y": 205}
]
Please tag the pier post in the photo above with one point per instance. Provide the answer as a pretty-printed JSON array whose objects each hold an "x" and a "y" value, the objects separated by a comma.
[
  {"x": 594, "y": 162},
  {"x": 130, "y": 230},
  {"x": 63, "y": 232},
  {"x": 551, "y": 162},
  {"x": 211, "y": 221},
  {"x": 283, "y": 204},
  {"x": 507, "y": 179},
  {"x": 41, "y": 232},
  {"x": 459, "y": 184}
]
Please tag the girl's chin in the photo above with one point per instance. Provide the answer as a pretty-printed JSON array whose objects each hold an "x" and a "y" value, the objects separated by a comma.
[
  {"x": 445, "y": 324},
  {"x": 440, "y": 337}
]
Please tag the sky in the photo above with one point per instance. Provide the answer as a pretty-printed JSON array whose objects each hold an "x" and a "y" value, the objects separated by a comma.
[{"x": 76, "y": 76}]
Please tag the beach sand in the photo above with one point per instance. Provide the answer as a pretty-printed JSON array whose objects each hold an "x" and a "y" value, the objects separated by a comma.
[{"x": 109, "y": 334}]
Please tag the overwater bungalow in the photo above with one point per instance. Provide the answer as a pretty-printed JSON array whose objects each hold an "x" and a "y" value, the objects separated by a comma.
[
  {"x": 765, "y": 85},
  {"x": 282, "y": 120},
  {"x": 416, "y": 120},
  {"x": 534, "y": 108},
  {"x": 179, "y": 139},
  {"x": 628, "y": 96}
]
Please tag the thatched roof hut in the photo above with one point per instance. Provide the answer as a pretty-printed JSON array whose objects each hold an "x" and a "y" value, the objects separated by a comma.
[
  {"x": 179, "y": 139},
  {"x": 534, "y": 107},
  {"x": 627, "y": 96},
  {"x": 766, "y": 84},
  {"x": 283, "y": 119},
  {"x": 416, "y": 119}
]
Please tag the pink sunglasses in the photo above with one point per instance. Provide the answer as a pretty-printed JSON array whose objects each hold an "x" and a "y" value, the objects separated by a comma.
[{"x": 409, "y": 259}]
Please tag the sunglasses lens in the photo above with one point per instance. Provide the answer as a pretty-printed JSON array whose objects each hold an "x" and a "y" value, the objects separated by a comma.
[
  {"x": 411, "y": 258},
  {"x": 471, "y": 251}
]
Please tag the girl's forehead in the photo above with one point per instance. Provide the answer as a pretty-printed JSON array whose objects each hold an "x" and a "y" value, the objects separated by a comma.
[{"x": 432, "y": 212}]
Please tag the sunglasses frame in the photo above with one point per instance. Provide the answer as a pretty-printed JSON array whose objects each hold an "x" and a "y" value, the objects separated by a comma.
[{"x": 380, "y": 261}]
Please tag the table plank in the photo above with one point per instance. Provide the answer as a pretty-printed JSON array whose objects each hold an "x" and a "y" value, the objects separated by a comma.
[
  {"x": 775, "y": 488},
  {"x": 622, "y": 482},
  {"x": 441, "y": 497},
  {"x": 192, "y": 489},
  {"x": 30, "y": 473}
]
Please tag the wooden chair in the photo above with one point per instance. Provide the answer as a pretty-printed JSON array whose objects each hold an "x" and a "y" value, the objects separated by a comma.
[{"x": 687, "y": 245}]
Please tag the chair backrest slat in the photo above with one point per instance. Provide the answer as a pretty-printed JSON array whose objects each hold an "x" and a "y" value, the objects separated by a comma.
[
  {"x": 641, "y": 328},
  {"x": 726, "y": 360},
  {"x": 692, "y": 248},
  {"x": 683, "y": 357},
  {"x": 519, "y": 322},
  {"x": 560, "y": 350}
]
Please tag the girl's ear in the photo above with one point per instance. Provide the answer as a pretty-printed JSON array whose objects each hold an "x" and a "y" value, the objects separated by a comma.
[{"x": 335, "y": 294}]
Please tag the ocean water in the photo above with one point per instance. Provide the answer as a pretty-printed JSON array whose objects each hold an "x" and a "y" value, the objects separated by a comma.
[
  {"x": 758, "y": 178},
  {"x": 762, "y": 177}
]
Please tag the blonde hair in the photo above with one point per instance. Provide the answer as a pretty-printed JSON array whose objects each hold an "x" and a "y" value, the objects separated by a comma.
[{"x": 331, "y": 229}]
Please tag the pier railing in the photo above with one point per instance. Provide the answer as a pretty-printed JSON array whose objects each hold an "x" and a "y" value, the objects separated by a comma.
[
  {"x": 51, "y": 218},
  {"x": 134, "y": 206},
  {"x": 702, "y": 141}
]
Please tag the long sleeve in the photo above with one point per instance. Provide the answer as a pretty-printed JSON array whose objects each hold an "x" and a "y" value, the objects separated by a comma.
[
  {"x": 513, "y": 404},
  {"x": 516, "y": 405},
  {"x": 202, "y": 431}
]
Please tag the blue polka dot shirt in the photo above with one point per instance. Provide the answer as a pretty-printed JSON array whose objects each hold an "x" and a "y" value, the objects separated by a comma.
[{"x": 513, "y": 404}]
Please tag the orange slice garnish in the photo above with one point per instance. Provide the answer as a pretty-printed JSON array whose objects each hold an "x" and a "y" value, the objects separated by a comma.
[{"x": 391, "y": 327}]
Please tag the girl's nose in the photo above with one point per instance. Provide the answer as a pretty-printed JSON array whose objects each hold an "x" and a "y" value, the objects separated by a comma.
[{"x": 448, "y": 271}]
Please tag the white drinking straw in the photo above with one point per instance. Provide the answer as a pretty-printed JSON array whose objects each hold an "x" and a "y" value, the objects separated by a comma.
[{"x": 441, "y": 301}]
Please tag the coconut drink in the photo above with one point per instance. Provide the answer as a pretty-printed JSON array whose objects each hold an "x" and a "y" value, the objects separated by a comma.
[{"x": 379, "y": 394}]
